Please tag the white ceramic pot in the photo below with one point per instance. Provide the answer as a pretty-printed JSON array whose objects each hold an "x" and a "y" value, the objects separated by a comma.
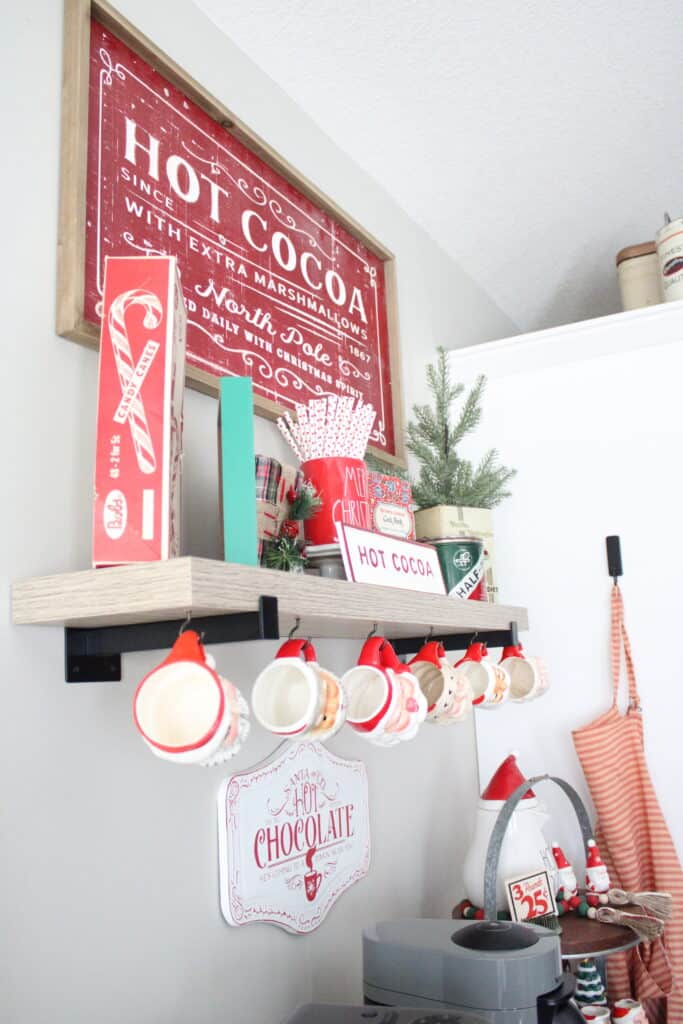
[{"x": 523, "y": 851}]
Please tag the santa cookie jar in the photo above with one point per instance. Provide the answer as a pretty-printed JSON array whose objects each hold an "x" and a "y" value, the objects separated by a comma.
[{"x": 524, "y": 848}]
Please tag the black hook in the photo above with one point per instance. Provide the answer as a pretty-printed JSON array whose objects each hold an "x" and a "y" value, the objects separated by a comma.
[
  {"x": 373, "y": 631},
  {"x": 614, "y": 566},
  {"x": 514, "y": 634},
  {"x": 294, "y": 628},
  {"x": 185, "y": 623},
  {"x": 429, "y": 636}
]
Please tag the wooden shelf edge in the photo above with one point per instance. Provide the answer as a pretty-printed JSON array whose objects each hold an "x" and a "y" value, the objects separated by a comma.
[{"x": 158, "y": 591}]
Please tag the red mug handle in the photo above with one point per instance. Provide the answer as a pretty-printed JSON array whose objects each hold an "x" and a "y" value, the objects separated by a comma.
[
  {"x": 433, "y": 652},
  {"x": 188, "y": 647},
  {"x": 371, "y": 655},
  {"x": 475, "y": 652},
  {"x": 371, "y": 652},
  {"x": 295, "y": 648},
  {"x": 390, "y": 659},
  {"x": 513, "y": 651}
]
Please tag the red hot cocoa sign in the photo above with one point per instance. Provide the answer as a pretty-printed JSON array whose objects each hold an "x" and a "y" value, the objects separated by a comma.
[
  {"x": 275, "y": 287},
  {"x": 293, "y": 836}
]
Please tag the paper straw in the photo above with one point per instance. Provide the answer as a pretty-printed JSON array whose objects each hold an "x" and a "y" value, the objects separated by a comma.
[{"x": 330, "y": 427}]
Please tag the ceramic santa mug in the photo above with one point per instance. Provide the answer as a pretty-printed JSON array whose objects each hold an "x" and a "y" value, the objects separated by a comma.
[
  {"x": 490, "y": 683},
  {"x": 371, "y": 691},
  {"x": 180, "y": 707},
  {"x": 237, "y": 712},
  {"x": 595, "y": 1013},
  {"x": 628, "y": 1011},
  {"x": 411, "y": 704},
  {"x": 449, "y": 697},
  {"x": 289, "y": 695},
  {"x": 333, "y": 709},
  {"x": 528, "y": 676}
]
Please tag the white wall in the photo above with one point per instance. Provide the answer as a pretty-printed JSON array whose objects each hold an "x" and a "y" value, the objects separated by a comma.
[
  {"x": 108, "y": 856},
  {"x": 591, "y": 416}
]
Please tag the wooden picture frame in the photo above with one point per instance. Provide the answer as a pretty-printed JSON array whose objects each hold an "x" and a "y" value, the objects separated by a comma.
[{"x": 70, "y": 318}]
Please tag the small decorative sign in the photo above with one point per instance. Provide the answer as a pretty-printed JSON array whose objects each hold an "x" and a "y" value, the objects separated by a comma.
[
  {"x": 530, "y": 896},
  {"x": 390, "y": 501},
  {"x": 293, "y": 835},
  {"x": 375, "y": 558}
]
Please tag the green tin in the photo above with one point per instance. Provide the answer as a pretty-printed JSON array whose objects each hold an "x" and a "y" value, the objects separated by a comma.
[{"x": 462, "y": 565}]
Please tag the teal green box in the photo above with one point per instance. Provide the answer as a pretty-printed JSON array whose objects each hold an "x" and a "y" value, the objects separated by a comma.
[{"x": 237, "y": 473}]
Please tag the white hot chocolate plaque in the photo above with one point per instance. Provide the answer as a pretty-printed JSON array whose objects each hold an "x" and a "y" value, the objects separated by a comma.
[{"x": 293, "y": 835}]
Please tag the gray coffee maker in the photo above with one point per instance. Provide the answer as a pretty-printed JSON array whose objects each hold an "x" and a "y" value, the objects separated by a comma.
[{"x": 503, "y": 972}]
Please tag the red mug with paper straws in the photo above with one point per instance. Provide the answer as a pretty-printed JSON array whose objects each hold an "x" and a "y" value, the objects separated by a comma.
[{"x": 330, "y": 436}]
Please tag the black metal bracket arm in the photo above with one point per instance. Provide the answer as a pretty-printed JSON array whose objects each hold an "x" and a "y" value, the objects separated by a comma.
[
  {"x": 460, "y": 641},
  {"x": 93, "y": 655}
]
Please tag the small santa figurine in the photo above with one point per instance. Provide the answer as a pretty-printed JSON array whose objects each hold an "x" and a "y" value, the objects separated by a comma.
[
  {"x": 567, "y": 894},
  {"x": 597, "y": 879}
]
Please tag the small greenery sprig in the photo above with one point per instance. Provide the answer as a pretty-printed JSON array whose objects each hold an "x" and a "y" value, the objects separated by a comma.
[
  {"x": 284, "y": 553},
  {"x": 303, "y": 503}
]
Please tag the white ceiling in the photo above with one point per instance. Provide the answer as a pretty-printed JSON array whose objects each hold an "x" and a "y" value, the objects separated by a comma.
[{"x": 531, "y": 139}]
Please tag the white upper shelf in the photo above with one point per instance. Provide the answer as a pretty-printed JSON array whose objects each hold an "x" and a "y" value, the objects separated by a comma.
[{"x": 570, "y": 343}]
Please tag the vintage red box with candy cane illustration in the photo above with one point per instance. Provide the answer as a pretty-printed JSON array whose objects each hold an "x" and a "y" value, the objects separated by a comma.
[{"x": 139, "y": 412}]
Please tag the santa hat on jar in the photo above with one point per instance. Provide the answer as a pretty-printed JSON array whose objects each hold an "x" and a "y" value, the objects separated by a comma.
[
  {"x": 506, "y": 780},
  {"x": 597, "y": 878}
]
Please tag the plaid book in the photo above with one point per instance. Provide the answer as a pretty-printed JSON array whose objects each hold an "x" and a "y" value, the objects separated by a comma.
[
  {"x": 273, "y": 481},
  {"x": 268, "y": 476}
]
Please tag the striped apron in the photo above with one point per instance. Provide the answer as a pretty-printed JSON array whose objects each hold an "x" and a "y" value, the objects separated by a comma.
[{"x": 633, "y": 838}]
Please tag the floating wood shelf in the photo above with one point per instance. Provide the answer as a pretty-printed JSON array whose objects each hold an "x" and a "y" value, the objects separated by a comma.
[{"x": 98, "y": 607}]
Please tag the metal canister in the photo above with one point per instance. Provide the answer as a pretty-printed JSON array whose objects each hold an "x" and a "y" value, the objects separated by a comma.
[
  {"x": 638, "y": 276},
  {"x": 462, "y": 565},
  {"x": 670, "y": 255}
]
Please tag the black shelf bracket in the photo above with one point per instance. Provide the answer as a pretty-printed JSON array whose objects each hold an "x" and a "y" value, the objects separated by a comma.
[
  {"x": 93, "y": 655},
  {"x": 459, "y": 641}
]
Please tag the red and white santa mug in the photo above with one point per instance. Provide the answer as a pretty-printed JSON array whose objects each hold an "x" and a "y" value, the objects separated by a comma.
[
  {"x": 294, "y": 697},
  {"x": 448, "y": 695},
  {"x": 490, "y": 683},
  {"x": 185, "y": 712},
  {"x": 597, "y": 1013},
  {"x": 628, "y": 1011},
  {"x": 411, "y": 704},
  {"x": 371, "y": 690},
  {"x": 528, "y": 675}
]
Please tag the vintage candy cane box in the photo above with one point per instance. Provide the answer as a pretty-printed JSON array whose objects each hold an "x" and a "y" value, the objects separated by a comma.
[{"x": 139, "y": 412}]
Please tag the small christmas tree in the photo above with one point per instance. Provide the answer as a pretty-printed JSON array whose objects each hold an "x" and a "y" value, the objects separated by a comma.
[
  {"x": 590, "y": 989},
  {"x": 445, "y": 478}
]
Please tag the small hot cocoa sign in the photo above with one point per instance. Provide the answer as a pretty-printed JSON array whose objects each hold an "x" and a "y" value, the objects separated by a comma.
[
  {"x": 293, "y": 835},
  {"x": 375, "y": 558}
]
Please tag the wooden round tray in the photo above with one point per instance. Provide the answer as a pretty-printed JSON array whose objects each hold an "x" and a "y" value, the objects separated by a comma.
[{"x": 580, "y": 937}]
